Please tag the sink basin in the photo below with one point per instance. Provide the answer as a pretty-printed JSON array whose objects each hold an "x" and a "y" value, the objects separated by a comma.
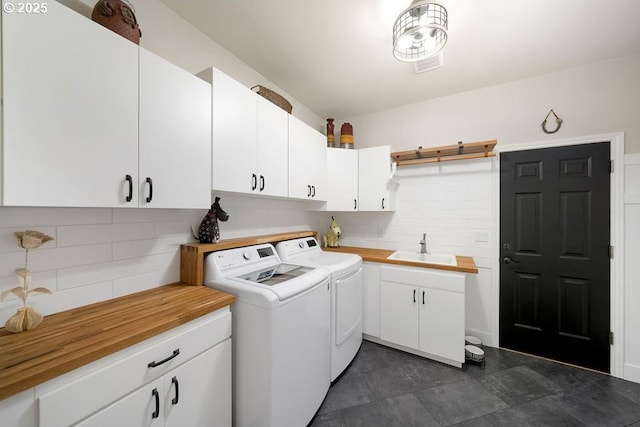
[{"x": 445, "y": 259}]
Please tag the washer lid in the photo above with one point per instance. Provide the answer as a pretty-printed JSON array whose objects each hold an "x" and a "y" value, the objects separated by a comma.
[{"x": 275, "y": 275}]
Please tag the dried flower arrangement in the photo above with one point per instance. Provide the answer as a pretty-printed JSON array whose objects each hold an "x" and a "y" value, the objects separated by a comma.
[{"x": 26, "y": 317}]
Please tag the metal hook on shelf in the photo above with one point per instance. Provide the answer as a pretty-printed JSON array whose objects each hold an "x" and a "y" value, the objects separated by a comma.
[{"x": 558, "y": 122}]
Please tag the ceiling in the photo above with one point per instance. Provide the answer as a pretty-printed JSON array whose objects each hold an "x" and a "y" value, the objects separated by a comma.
[{"x": 335, "y": 56}]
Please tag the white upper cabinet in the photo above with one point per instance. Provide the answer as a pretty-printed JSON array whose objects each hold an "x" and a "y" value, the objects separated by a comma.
[
  {"x": 342, "y": 179},
  {"x": 235, "y": 134},
  {"x": 374, "y": 171},
  {"x": 359, "y": 180},
  {"x": 70, "y": 111},
  {"x": 249, "y": 139},
  {"x": 307, "y": 162},
  {"x": 175, "y": 136},
  {"x": 273, "y": 149}
]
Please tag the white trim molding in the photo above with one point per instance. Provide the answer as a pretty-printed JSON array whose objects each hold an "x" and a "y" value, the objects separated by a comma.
[
  {"x": 616, "y": 232},
  {"x": 632, "y": 270}
]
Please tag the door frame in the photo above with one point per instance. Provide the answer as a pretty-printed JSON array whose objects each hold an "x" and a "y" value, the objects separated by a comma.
[{"x": 616, "y": 233}]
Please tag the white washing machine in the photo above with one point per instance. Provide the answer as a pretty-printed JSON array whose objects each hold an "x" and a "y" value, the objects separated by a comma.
[
  {"x": 280, "y": 335},
  {"x": 346, "y": 295}
]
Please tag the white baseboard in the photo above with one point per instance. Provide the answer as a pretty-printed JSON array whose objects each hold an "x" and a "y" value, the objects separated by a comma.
[{"x": 632, "y": 373}]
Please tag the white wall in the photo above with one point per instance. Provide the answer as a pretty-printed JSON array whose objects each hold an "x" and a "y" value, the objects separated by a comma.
[{"x": 595, "y": 99}]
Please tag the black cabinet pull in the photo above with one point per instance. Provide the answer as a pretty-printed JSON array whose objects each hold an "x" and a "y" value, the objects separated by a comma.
[
  {"x": 314, "y": 191},
  {"x": 150, "y": 197},
  {"x": 165, "y": 360},
  {"x": 309, "y": 193},
  {"x": 174, "y": 381},
  {"x": 261, "y": 182},
  {"x": 355, "y": 204},
  {"x": 383, "y": 203},
  {"x": 130, "y": 182},
  {"x": 254, "y": 181},
  {"x": 414, "y": 295},
  {"x": 156, "y": 395},
  {"x": 422, "y": 297}
]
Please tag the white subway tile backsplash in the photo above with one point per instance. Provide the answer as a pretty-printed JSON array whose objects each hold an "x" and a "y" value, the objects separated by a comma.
[
  {"x": 132, "y": 284},
  {"x": 104, "y": 233},
  {"x": 41, "y": 217},
  {"x": 94, "y": 273},
  {"x": 141, "y": 248}
]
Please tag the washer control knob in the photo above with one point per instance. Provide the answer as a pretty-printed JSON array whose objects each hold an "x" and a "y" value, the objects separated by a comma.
[
  {"x": 301, "y": 245},
  {"x": 246, "y": 256}
]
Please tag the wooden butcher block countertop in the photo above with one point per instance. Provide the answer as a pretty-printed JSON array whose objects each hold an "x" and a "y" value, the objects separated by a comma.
[
  {"x": 465, "y": 264},
  {"x": 73, "y": 338}
]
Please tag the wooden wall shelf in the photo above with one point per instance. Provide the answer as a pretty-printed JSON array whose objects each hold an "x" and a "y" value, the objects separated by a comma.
[{"x": 461, "y": 151}]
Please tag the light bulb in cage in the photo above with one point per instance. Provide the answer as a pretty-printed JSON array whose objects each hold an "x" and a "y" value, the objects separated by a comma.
[{"x": 420, "y": 31}]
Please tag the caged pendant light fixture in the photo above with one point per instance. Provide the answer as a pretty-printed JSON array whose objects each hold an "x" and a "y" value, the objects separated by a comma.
[{"x": 420, "y": 31}]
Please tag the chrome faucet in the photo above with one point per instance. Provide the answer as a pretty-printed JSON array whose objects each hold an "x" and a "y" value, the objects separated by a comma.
[{"x": 423, "y": 244}]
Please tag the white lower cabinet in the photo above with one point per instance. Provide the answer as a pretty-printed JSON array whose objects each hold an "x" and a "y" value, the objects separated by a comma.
[
  {"x": 179, "y": 378},
  {"x": 422, "y": 311},
  {"x": 191, "y": 395}
]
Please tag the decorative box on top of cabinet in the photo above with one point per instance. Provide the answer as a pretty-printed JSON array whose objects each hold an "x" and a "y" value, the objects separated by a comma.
[
  {"x": 71, "y": 97},
  {"x": 249, "y": 142}
]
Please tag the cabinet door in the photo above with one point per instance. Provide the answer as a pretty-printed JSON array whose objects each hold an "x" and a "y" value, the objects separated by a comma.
[
  {"x": 273, "y": 149},
  {"x": 70, "y": 111},
  {"x": 307, "y": 161},
  {"x": 342, "y": 179},
  {"x": 373, "y": 186},
  {"x": 371, "y": 299},
  {"x": 235, "y": 135},
  {"x": 143, "y": 407},
  {"x": 199, "y": 392},
  {"x": 399, "y": 314},
  {"x": 442, "y": 323},
  {"x": 175, "y": 136}
]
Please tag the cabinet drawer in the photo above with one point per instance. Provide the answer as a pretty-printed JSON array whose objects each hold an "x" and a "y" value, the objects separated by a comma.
[
  {"x": 424, "y": 277},
  {"x": 79, "y": 394}
]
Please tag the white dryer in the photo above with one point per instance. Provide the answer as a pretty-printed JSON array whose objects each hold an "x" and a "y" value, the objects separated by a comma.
[
  {"x": 281, "y": 318},
  {"x": 346, "y": 295}
]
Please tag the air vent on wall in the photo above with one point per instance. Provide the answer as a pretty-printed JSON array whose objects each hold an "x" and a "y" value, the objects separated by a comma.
[{"x": 429, "y": 64}]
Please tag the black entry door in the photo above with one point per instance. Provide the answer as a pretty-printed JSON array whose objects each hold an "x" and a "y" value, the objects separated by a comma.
[{"x": 554, "y": 250}]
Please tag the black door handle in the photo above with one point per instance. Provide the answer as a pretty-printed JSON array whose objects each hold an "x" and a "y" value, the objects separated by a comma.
[
  {"x": 309, "y": 193},
  {"x": 174, "y": 381},
  {"x": 261, "y": 182},
  {"x": 150, "y": 197},
  {"x": 383, "y": 203},
  {"x": 355, "y": 204},
  {"x": 414, "y": 295},
  {"x": 156, "y": 395},
  {"x": 423, "y": 292},
  {"x": 314, "y": 191},
  {"x": 254, "y": 181},
  {"x": 154, "y": 364},
  {"x": 130, "y": 181},
  {"x": 509, "y": 260}
]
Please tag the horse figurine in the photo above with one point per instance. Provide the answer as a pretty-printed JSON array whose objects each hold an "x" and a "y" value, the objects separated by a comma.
[
  {"x": 209, "y": 231},
  {"x": 331, "y": 238}
]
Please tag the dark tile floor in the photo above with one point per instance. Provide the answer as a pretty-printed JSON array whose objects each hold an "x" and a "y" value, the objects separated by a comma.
[{"x": 387, "y": 388}]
